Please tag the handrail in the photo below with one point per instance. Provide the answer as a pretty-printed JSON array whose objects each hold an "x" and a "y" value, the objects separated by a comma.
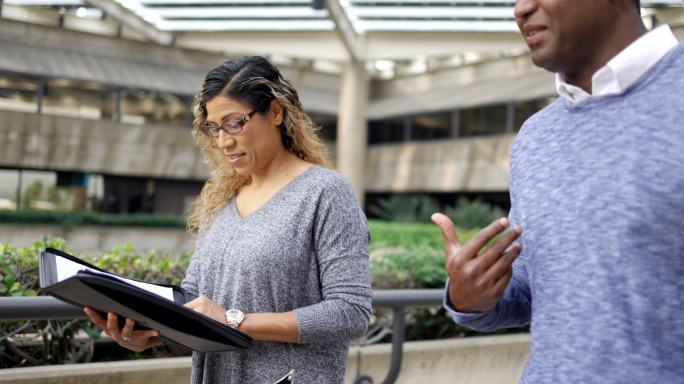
[{"x": 49, "y": 308}]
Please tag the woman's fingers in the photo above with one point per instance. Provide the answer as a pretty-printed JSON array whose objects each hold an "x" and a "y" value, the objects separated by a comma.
[
  {"x": 127, "y": 331},
  {"x": 113, "y": 329},
  {"x": 95, "y": 317},
  {"x": 126, "y": 336},
  {"x": 153, "y": 342}
]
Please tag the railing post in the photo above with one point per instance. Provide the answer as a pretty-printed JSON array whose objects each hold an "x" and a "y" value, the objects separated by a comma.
[{"x": 398, "y": 335}]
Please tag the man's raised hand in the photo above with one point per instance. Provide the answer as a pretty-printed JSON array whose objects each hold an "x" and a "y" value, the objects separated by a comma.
[{"x": 478, "y": 277}]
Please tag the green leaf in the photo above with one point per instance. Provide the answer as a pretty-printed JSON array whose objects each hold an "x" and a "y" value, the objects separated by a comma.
[
  {"x": 14, "y": 287},
  {"x": 91, "y": 330}
]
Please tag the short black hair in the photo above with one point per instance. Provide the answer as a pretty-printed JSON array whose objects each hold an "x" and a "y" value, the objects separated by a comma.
[{"x": 637, "y": 3}]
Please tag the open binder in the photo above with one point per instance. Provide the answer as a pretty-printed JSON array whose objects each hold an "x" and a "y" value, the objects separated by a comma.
[{"x": 155, "y": 306}]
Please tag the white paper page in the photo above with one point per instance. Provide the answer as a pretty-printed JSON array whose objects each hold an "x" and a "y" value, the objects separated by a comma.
[{"x": 67, "y": 268}]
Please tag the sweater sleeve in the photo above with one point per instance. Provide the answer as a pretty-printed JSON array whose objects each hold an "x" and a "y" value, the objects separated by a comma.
[
  {"x": 190, "y": 281},
  {"x": 341, "y": 240},
  {"x": 514, "y": 309}
]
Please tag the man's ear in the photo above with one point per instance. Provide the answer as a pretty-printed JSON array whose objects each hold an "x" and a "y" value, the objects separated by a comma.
[{"x": 276, "y": 112}]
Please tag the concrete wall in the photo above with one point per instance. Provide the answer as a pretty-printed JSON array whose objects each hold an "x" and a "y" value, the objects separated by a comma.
[
  {"x": 71, "y": 144},
  {"x": 474, "y": 164},
  {"x": 91, "y": 239},
  {"x": 479, "y": 360}
]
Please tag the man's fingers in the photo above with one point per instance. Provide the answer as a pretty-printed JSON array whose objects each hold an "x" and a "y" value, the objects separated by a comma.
[
  {"x": 496, "y": 251},
  {"x": 448, "y": 230},
  {"x": 503, "y": 265},
  {"x": 473, "y": 247},
  {"x": 501, "y": 285}
]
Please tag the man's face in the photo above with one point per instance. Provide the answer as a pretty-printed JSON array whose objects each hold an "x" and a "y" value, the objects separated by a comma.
[{"x": 564, "y": 35}]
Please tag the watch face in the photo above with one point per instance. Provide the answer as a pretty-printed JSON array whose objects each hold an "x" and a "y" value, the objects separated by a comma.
[{"x": 235, "y": 315}]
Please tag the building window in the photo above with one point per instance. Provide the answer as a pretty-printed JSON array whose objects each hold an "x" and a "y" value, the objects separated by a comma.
[
  {"x": 431, "y": 126},
  {"x": 480, "y": 121},
  {"x": 18, "y": 93},
  {"x": 525, "y": 109},
  {"x": 388, "y": 131},
  {"x": 62, "y": 97},
  {"x": 327, "y": 125},
  {"x": 143, "y": 107}
]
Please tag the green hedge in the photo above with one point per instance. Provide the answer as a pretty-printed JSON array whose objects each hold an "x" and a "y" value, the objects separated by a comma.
[
  {"x": 410, "y": 235},
  {"x": 19, "y": 277},
  {"x": 71, "y": 219}
]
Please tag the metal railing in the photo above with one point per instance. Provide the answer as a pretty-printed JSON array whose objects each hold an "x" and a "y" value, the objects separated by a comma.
[{"x": 49, "y": 308}]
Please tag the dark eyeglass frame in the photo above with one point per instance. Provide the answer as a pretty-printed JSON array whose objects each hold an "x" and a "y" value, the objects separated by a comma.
[{"x": 231, "y": 128}]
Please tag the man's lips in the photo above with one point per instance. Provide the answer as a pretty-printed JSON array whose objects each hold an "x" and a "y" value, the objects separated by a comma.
[{"x": 533, "y": 33}]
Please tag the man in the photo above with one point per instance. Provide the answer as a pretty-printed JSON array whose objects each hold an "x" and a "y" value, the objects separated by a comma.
[{"x": 597, "y": 184}]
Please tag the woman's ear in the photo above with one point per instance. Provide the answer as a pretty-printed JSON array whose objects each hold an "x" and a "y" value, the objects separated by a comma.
[{"x": 276, "y": 113}]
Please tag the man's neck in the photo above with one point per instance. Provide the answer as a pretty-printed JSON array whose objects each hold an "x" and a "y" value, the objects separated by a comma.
[{"x": 582, "y": 75}]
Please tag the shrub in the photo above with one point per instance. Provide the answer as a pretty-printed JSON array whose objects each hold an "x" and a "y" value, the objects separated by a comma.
[
  {"x": 473, "y": 214},
  {"x": 56, "y": 342},
  {"x": 405, "y": 208},
  {"x": 71, "y": 219}
]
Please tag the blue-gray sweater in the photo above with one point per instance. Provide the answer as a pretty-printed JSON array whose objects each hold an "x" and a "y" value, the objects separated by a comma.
[{"x": 598, "y": 188}]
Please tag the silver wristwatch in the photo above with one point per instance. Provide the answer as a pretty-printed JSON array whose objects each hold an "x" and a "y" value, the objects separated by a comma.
[{"x": 234, "y": 317}]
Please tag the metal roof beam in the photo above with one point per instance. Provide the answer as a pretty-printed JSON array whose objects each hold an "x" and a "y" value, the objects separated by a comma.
[
  {"x": 131, "y": 20},
  {"x": 352, "y": 40},
  {"x": 302, "y": 12},
  {"x": 245, "y": 25}
]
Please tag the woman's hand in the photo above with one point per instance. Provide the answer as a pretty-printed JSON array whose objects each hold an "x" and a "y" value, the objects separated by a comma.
[
  {"x": 208, "y": 308},
  {"x": 280, "y": 327},
  {"x": 126, "y": 337}
]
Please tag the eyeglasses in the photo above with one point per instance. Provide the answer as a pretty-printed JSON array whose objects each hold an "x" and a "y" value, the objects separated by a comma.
[{"x": 232, "y": 124}]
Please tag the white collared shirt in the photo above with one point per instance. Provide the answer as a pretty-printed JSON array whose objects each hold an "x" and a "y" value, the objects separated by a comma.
[{"x": 625, "y": 68}]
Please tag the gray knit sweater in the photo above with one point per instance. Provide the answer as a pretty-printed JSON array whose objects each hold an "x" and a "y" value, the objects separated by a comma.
[{"x": 306, "y": 249}]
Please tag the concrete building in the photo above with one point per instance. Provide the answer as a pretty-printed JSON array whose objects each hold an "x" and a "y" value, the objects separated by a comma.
[{"x": 413, "y": 98}]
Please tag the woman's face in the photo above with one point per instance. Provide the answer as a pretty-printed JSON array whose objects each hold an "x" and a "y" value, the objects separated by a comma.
[{"x": 254, "y": 148}]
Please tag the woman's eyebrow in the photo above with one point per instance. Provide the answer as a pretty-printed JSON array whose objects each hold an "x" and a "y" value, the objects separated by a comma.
[{"x": 223, "y": 118}]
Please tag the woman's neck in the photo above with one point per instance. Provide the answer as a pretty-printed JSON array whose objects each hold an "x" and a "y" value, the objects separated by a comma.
[{"x": 282, "y": 168}]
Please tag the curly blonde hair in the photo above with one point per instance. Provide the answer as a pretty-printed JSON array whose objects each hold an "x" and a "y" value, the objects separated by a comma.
[{"x": 255, "y": 82}]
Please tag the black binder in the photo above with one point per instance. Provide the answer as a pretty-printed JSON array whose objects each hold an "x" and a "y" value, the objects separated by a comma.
[{"x": 104, "y": 291}]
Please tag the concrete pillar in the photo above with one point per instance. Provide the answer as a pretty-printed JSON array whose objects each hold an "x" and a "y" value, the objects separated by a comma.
[{"x": 352, "y": 129}]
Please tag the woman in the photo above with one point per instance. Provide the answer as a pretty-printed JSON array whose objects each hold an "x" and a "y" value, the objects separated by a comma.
[{"x": 282, "y": 238}]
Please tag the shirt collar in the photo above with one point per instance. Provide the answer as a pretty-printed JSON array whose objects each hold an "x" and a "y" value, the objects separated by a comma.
[{"x": 625, "y": 68}]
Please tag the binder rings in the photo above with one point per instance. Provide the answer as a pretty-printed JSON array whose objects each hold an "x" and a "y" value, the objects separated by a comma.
[{"x": 155, "y": 306}]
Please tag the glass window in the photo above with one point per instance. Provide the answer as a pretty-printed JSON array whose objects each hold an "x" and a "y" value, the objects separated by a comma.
[
  {"x": 431, "y": 126},
  {"x": 487, "y": 120},
  {"x": 328, "y": 126},
  {"x": 68, "y": 98},
  {"x": 387, "y": 131},
  {"x": 18, "y": 93},
  {"x": 142, "y": 107},
  {"x": 525, "y": 109}
]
